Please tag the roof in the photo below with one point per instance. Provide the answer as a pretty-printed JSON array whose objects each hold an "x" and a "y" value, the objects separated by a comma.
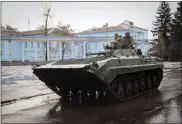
[
  {"x": 51, "y": 31},
  {"x": 131, "y": 24},
  {"x": 123, "y": 26},
  {"x": 140, "y": 28},
  {"x": 110, "y": 29},
  {"x": 35, "y": 32}
]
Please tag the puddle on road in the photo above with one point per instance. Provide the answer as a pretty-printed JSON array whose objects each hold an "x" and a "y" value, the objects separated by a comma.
[
  {"x": 170, "y": 113},
  {"x": 99, "y": 110},
  {"x": 95, "y": 110}
]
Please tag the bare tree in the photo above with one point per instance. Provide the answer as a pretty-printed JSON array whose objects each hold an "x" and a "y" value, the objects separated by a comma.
[
  {"x": 2, "y": 27},
  {"x": 9, "y": 28},
  {"x": 66, "y": 31},
  {"x": 46, "y": 15}
]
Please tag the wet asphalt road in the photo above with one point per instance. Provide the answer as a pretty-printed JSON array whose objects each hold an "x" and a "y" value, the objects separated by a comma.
[{"x": 159, "y": 106}]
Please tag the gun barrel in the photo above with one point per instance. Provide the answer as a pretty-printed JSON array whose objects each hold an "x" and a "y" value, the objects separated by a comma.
[{"x": 95, "y": 53}]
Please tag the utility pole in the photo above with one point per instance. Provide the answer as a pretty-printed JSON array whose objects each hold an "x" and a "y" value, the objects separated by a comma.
[
  {"x": 106, "y": 26},
  {"x": 46, "y": 20},
  {"x": 46, "y": 15},
  {"x": 28, "y": 23}
]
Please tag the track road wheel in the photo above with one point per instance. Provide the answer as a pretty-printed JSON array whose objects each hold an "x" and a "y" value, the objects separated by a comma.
[
  {"x": 129, "y": 90},
  {"x": 65, "y": 92},
  {"x": 136, "y": 88},
  {"x": 54, "y": 89},
  {"x": 74, "y": 92},
  {"x": 92, "y": 93},
  {"x": 84, "y": 93},
  {"x": 142, "y": 85},
  {"x": 101, "y": 93},
  {"x": 120, "y": 91},
  {"x": 149, "y": 82},
  {"x": 154, "y": 81},
  {"x": 159, "y": 77}
]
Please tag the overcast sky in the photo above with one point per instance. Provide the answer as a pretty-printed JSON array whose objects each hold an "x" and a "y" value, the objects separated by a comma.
[{"x": 81, "y": 15}]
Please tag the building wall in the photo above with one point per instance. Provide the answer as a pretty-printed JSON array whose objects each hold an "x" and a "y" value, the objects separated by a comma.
[
  {"x": 32, "y": 52},
  {"x": 2, "y": 51},
  {"x": 10, "y": 51},
  {"x": 96, "y": 46},
  {"x": 35, "y": 50},
  {"x": 142, "y": 34},
  {"x": 135, "y": 33},
  {"x": 139, "y": 36},
  {"x": 16, "y": 50},
  {"x": 54, "y": 50},
  {"x": 5, "y": 51},
  {"x": 105, "y": 34}
]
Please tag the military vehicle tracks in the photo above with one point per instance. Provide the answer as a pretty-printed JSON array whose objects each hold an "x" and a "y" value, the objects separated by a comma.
[
  {"x": 127, "y": 86},
  {"x": 123, "y": 87}
]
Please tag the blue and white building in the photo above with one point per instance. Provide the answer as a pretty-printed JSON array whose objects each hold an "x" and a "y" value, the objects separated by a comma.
[
  {"x": 140, "y": 35},
  {"x": 34, "y": 50}
]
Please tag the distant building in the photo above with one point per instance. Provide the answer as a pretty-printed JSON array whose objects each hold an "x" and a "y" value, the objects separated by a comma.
[
  {"x": 14, "y": 47},
  {"x": 35, "y": 50},
  {"x": 140, "y": 35},
  {"x": 127, "y": 26}
]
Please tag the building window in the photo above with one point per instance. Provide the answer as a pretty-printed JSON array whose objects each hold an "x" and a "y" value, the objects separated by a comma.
[
  {"x": 31, "y": 43},
  {"x": 25, "y": 44},
  {"x": 38, "y": 44}
]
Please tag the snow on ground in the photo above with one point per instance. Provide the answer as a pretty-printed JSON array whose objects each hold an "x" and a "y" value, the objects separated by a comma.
[
  {"x": 12, "y": 70},
  {"x": 15, "y": 73},
  {"x": 17, "y": 91},
  {"x": 19, "y": 82},
  {"x": 172, "y": 64}
]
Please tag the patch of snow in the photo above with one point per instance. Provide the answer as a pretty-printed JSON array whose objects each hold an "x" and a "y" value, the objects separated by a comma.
[
  {"x": 19, "y": 81},
  {"x": 172, "y": 64}
]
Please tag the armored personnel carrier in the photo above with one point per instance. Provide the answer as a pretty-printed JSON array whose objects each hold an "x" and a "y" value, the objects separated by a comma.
[{"x": 122, "y": 73}]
